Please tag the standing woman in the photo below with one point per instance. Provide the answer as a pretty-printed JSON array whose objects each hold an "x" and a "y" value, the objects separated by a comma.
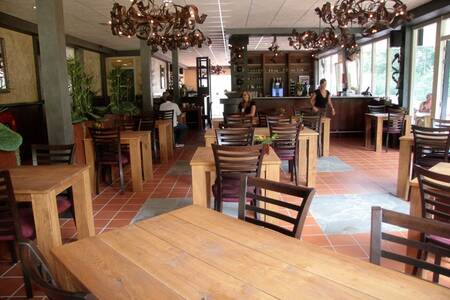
[
  {"x": 321, "y": 99},
  {"x": 247, "y": 107}
]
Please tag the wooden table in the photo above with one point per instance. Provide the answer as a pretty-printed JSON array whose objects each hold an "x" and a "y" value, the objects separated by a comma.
[
  {"x": 379, "y": 119},
  {"x": 197, "y": 253},
  {"x": 203, "y": 173},
  {"x": 39, "y": 185},
  {"x": 307, "y": 152},
  {"x": 404, "y": 165},
  {"x": 165, "y": 137},
  {"x": 415, "y": 206},
  {"x": 140, "y": 145}
]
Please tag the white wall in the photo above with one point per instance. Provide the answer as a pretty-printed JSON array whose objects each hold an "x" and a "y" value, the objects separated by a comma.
[{"x": 156, "y": 78}]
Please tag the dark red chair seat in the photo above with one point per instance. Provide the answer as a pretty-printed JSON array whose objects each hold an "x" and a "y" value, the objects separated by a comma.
[
  {"x": 26, "y": 222},
  {"x": 63, "y": 202},
  {"x": 442, "y": 241},
  {"x": 113, "y": 160}
]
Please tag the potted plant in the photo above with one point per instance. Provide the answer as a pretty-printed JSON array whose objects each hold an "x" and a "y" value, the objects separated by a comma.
[
  {"x": 80, "y": 87},
  {"x": 10, "y": 142},
  {"x": 266, "y": 141},
  {"x": 120, "y": 102}
]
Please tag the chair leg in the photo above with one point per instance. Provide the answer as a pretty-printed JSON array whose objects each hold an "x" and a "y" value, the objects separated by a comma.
[
  {"x": 291, "y": 169},
  {"x": 27, "y": 283},
  {"x": 122, "y": 180},
  {"x": 387, "y": 141},
  {"x": 295, "y": 172},
  {"x": 97, "y": 179},
  {"x": 437, "y": 261},
  {"x": 13, "y": 251}
]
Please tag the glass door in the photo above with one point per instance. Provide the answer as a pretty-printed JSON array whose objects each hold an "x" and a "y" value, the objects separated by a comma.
[{"x": 445, "y": 112}]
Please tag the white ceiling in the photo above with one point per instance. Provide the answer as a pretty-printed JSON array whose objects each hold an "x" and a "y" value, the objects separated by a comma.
[{"x": 83, "y": 17}]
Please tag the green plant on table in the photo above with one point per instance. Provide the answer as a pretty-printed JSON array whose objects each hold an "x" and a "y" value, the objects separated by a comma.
[
  {"x": 266, "y": 140},
  {"x": 81, "y": 92}
]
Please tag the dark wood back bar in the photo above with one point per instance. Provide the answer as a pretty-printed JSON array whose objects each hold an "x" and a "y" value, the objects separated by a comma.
[{"x": 349, "y": 116}]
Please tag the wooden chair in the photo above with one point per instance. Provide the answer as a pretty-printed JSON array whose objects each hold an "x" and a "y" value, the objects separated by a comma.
[
  {"x": 147, "y": 123},
  {"x": 108, "y": 152},
  {"x": 251, "y": 200},
  {"x": 425, "y": 226},
  {"x": 15, "y": 222},
  {"x": 435, "y": 199},
  {"x": 314, "y": 122},
  {"x": 128, "y": 124},
  {"x": 394, "y": 125},
  {"x": 57, "y": 155},
  {"x": 280, "y": 119},
  {"x": 431, "y": 146},
  {"x": 439, "y": 123},
  {"x": 235, "y": 136},
  {"x": 36, "y": 271},
  {"x": 376, "y": 109},
  {"x": 237, "y": 119},
  {"x": 262, "y": 120},
  {"x": 232, "y": 162},
  {"x": 287, "y": 145}
]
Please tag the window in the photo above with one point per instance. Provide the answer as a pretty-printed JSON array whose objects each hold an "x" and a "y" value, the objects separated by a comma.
[
  {"x": 446, "y": 27},
  {"x": 70, "y": 52},
  {"x": 366, "y": 68},
  {"x": 353, "y": 76},
  {"x": 424, "y": 39},
  {"x": 331, "y": 70},
  {"x": 380, "y": 68}
]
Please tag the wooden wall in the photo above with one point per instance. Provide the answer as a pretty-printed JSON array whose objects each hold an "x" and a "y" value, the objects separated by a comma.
[{"x": 21, "y": 68}]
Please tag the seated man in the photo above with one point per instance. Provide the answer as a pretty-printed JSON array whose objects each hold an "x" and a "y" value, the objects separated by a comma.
[{"x": 179, "y": 129}]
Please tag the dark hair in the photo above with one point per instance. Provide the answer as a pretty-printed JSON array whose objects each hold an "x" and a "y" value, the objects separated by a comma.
[{"x": 323, "y": 80}]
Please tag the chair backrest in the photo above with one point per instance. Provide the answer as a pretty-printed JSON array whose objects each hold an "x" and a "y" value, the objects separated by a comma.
[
  {"x": 251, "y": 210},
  {"x": 440, "y": 123},
  {"x": 235, "y": 125},
  {"x": 304, "y": 112},
  {"x": 262, "y": 118},
  {"x": 128, "y": 124},
  {"x": 431, "y": 145},
  {"x": 434, "y": 194},
  {"x": 9, "y": 220},
  {"x": 312, "y": 122},
  {"x": 232, "y": 162},
  {"x": 286, "y": 143},
  {"x": 424, "y": 226},
  {"x": 106, "y": 144},
  {"x": 35, "y": 265},
  {"x": 235, "y": 136},
  {"x": 280, "y": 119},
  {"x": 52, "y": 154},
  {"x": 164, "y": 115},
  {"x": 235, "y": 119},
  {"x": 395, "y": 121},
  {"x": 376, "y": 108},
  {"x": 146, "y": 124}
]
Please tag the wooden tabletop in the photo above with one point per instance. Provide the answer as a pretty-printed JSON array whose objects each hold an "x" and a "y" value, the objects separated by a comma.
[
  {"x": 197, "y": 253},
  {"x": 130, "y": 134},
  {"x": 42, "y": 179},
  {"x": 205, "y": 156},
  {"x": 264, "y": 131}
]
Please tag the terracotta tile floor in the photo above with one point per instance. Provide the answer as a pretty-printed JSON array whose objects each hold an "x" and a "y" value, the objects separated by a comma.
[{"x": 372, "y": 173}]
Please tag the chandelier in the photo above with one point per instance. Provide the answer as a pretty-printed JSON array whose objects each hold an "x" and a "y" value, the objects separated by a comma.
[
  {"x": 274, "y": 48},
  {"x": 371, "y": 15},
  {"x": 164, "y": 26},
  {"x": 217, "y": 70}
]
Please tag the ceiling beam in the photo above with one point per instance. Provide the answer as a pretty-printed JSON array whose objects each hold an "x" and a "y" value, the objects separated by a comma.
[{"x": 275, "y": 31}]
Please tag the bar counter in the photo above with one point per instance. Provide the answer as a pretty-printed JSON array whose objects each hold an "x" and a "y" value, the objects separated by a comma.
[{"x": 349, "y": 116}]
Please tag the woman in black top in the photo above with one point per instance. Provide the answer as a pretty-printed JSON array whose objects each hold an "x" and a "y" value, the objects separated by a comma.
[
  {"x": 247, "y": 107},
  {"x": 322, "y": 98}
]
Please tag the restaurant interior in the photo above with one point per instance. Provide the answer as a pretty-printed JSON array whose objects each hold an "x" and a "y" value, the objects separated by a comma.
[{"x": 224, "y": 149}]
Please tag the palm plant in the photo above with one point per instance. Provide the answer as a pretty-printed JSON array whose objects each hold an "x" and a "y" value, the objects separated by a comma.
[{"x": 119, "y": 102}]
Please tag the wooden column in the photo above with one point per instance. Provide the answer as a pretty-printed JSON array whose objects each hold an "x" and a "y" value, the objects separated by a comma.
[
  {"x": 146, "y": 66},
  {"x": 52, "y": 43}
]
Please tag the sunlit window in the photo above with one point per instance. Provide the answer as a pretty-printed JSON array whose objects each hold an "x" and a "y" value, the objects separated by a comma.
[
  {"x": 379, "y": 69},
  {"x": 366, "y": 68}
]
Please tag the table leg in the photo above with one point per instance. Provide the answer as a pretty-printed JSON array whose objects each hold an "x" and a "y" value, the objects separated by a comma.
[
  {"x": 415, "y": 209},
  {"x": 326, "y": 137},
  {"x": 170, "y": 141},
  {"x": 404, "y": 165},
  {"x": 48, "y": 231},
  {"x": 379, "y": 135},
  {"x": 200, "y": 186},
  {"x": 408, "y": 125},
  {"x": 368, "y": 131},
  {"x": 146, "y": 148},
  {"x": 272, "y": 172},
  {"x": 163, "y": 146},
  {"x": 302, "y": 167},
  {"x": 209, "y": 140},
  {"x": 312, "y": 161},
  {"x": 136, "y": 166},
  {"x": 82, "y": 200},
  {"x": 90, "y": 161}
]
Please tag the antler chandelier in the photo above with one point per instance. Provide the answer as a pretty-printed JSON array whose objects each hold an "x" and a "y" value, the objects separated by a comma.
[
  {"x": 372, "y": 15},
  {"x": 274, "y": 48},
  {"x": 164, "y": 26}
]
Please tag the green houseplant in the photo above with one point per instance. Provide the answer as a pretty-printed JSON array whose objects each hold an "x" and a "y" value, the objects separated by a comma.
[
  {"x": 119, "y": 102},
  {"x": 81, "y": 92},
  {"x": 266, "y": 141}
]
